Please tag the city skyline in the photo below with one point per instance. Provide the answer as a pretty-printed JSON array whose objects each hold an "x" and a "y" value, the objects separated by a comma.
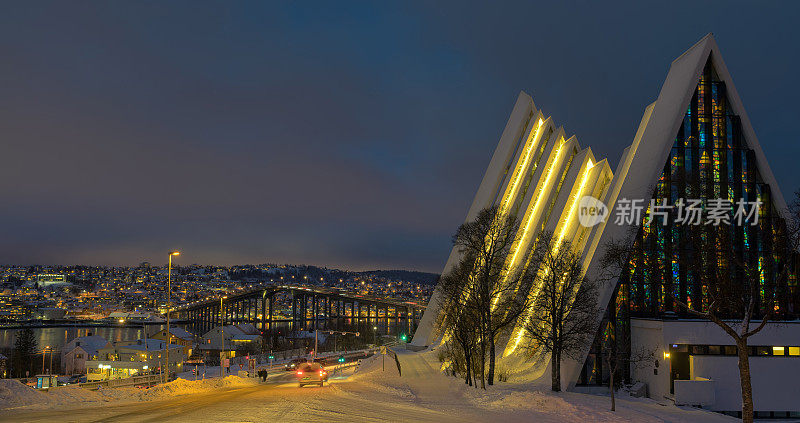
[{"x": 342, "y": 137}]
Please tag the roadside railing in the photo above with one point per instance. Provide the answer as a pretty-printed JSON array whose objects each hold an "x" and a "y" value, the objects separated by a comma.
[{"x": 145, "y": 380}]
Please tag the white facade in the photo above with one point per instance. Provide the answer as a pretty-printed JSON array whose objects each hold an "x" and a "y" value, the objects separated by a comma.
[{"x": 716, "y": 376}]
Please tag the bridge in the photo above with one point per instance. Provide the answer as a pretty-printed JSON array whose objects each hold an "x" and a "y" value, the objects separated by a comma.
[{"x": 311, "y": 308}]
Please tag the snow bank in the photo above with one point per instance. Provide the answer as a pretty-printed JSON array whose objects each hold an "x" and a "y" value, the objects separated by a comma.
[
  {"x": 377, "y": 367},
  {"x": 186, "y": 387},
  {"x": 14, "y": 394},
  {"x": 518, "y": 400}
]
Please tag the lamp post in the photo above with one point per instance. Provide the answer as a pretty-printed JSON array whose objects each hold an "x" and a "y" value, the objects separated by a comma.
[
  {"x": 169, "y": 302},
  {"x": 375, "y": 332},
  {"x": 221, "y": 337},
  {"x": 44, "y": 356}
]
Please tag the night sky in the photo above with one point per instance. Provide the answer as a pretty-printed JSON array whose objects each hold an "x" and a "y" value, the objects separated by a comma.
[{"x": 352, "y": 136}]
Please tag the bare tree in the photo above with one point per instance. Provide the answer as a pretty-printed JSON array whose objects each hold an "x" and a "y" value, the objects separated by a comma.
[
  {"x": 565, "y": 304},
  {"x": 616, "y": 347},
  {"x": 458, "y": 319},
  {"x": 483, "y": 293},
  {"x": 618, "y": 354}
]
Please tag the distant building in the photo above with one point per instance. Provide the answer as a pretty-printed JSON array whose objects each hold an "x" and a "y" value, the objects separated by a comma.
[
  {"x": 75, "y": 354},
  {"x": 3, "y": 366},
  {"x": 49, "y": 313},
  {"x": 14, "y": 309},
  {"x": 48, "y": 279}
]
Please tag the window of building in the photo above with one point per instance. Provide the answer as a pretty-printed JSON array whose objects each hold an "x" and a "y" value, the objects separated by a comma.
[
  {"x": 729, "y": 350},
  {"x": 763, "y": 351},
  {"x": 794, "y": 351},
  {"x": 698, "y": 349},
  {"x": 714, "y": 349},
  {"x": 778, "y": 351}
]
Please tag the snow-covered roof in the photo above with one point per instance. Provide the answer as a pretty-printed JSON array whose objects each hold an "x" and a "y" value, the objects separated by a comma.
[
  {"x": 236, "y": 331},
  {"x": 181, "y": 333},
  {"x": 90, "y": 344},
  {"x": 149, "y": 345}
]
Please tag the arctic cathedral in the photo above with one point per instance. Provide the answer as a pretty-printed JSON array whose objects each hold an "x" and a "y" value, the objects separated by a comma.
[{"x": 694, "y": 141}]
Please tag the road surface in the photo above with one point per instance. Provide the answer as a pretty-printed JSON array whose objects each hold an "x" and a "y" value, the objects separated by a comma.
[
  {"x": 376, "y": 394},
  {"x": 281, "y": 400}
]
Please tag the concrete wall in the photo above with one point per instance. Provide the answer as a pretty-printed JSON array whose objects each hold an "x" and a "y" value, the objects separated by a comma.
[
  {"x": 774, "y": 379},
  {"x": 647, "y": 335}
]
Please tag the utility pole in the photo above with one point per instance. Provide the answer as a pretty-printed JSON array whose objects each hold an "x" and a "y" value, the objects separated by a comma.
[
  {"x": 169, "y": 302},
  {"x": 221, "y": 338}
]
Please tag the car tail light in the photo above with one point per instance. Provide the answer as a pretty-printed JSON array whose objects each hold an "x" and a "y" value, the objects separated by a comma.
[{"x": 300, "y": 372}]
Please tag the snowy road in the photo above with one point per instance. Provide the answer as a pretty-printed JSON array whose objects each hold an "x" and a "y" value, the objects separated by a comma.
[
  {"x": 375, "y": 393},
  {"x": 283, "y": 402}
]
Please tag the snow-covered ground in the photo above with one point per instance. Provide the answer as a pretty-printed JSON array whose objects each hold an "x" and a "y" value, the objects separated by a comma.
[
  {"x": 15, "y": 395},
  {"x": 373, "y": 392}
]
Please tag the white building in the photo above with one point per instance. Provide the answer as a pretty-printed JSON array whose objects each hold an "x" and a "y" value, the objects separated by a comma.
[
  {"x": 232, "y": 337},
  {"x": 695, "y": 137},
  {"x": 77, "y": 351},
  {"x": 132, "y": 358}
]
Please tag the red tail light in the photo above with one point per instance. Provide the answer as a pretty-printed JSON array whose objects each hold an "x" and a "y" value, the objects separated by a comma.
[{"x": 300, "y": 372}]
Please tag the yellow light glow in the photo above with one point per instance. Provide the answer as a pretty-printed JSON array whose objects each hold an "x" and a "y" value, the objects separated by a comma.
[
  {"x": 778, "y": 350},
  {"x": 175, "y": 253},
  {"x": 666, "y": 355},
  {"x": 538, "y": 202},
  {"x": 564, "y": 225},
  {"x": 519, "y": 170},
  {"x": 794, "y": 350},
  {"x": 575, "y": 200}
]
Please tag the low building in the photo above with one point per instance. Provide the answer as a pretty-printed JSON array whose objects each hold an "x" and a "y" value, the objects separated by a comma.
[
  {"x": 243, "y": 335},
  {"x": 132, "y": 358},
  {"x": 180, "y": 336},
  {"x": 79, "y": 350},
  {"x": 699, "y": 363}
]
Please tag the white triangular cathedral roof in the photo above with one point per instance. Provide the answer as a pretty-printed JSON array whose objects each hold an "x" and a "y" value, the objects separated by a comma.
[{"x": 655, "y": 137}]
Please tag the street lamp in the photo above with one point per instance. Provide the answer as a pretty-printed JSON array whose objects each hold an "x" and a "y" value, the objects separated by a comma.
[
  {"x": 375, "y": 332},
  {"x": 169, "y": 303},
  {"x": 221, "y": 337}
]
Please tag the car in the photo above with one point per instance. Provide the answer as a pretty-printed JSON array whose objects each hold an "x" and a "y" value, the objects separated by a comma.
[
  {"x": 311, "y": 374},
  {"x": 292, "y": 365}
]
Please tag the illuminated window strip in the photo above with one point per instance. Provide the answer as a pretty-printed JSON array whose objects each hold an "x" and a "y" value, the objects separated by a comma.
[
  {"x": 519, "y": 170},
  {"x": 531, "y": 213},
  {"x": 521, "y": 329},
  {"x": 534, "y": 210}
]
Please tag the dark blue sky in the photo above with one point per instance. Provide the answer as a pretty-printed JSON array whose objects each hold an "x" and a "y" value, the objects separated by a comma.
[{"x": 349, "y": 135}]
